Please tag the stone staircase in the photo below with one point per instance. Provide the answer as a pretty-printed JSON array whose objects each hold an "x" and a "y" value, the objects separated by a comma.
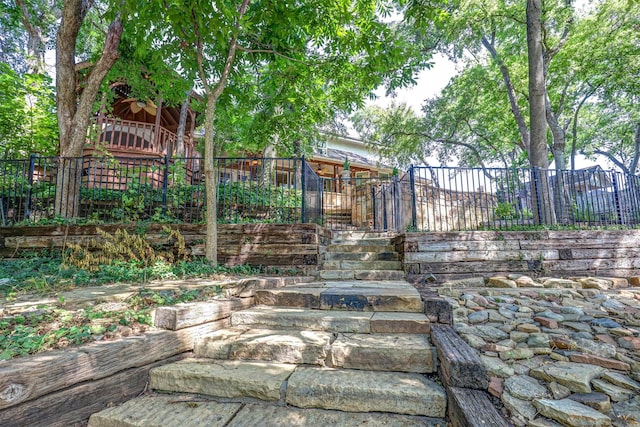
[
  {"x": 361, "y": 255},
  {"x": 346, "y": 353}
]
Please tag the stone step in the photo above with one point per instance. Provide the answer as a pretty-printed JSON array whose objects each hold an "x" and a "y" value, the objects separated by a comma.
[
  {"x": 362, "y": 256},
  {"x": 367, "y": 241},
  {"x": 353, "y": 297},
  {"x": 166, "y": 411},
  {"x": 361, "y": 274},
  {"x": 283, "y": 346},
  {"x": 186, "y": 410},
  {"x": 223, "y": 378},
  {"x": 355, "y": 248},
  {"x": 361, "y": 265},
  {"x": 351, "y": 235},
  {"x": 305, "y": 387},
  {"x": 374, "y": 352},
  {"x": 267, "y": 317},
  {"x": 365, "y": 391}
]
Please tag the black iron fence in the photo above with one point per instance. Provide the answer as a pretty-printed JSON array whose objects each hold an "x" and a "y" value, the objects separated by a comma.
[
  {"x": 455, "y": 199},
  {"x": 113, "y": 189},
  {"x": 287, "y": 190}
]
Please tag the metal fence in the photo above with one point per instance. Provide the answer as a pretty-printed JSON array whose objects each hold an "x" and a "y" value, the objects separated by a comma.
[
  {"x": 453, "y": 199},
  {"x": 114, "y": 189},
  {"x": 287, "y": 190}
]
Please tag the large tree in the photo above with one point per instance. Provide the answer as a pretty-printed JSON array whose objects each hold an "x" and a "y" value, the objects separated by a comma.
[{"x": 285, "y": 65}]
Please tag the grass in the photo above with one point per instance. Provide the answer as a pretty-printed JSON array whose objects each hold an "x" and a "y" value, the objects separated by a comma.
[{"x": 46, "y": 273}]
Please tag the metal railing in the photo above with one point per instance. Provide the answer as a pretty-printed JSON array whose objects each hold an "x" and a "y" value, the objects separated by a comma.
[
  {"x": 454, "y": 199},
  {"x": 115, "y": 189},
  {"x": 287, "y": 190}
]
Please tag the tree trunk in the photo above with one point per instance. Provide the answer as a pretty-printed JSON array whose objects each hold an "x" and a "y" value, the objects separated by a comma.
[
  {"x": 268, "y": 165},
  {"x": 211, "y": 182},
  {"x": 182, "y": 123},
  {"x": 74, "y": 115},
  {"x": 542, "y": 197},
  {"x": 36, "y": 42}
]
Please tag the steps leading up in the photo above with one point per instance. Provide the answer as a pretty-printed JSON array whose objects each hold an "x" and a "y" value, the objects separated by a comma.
[
  {"x": 194, "y": 411},
  {"x": 361, "y": 255},
  {"x": 222, "y": 378},
  {"x": 373, "y": 352},
  {"x": 359, "y": 296},
  {"x": 305, "y": 387},
  {"x": 363, "y": 391},
  {"x": 331, "y": 321},
  {"x": 347, "y": 352},
  {"x": 298, "y": 347}
]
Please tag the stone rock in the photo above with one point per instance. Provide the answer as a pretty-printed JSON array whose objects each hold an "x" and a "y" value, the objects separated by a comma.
[
  {"x": 528, "y": 328},
  {"x": 617, "y": 394},
  {"x": 571, "y": 413},
  {"x": 495, "y": 316},
  {"x": 551, "y": 315},
  {"x": 496, "y": 348},
  {"x": 605, "y": 338},
  {"x": 501, "y": 282},
  {"x": 595, "y": 348},
  {"x": 478, "y": 317},
  {"x": 628, "y": 413},
  {"x": 527, "y": 282},
  {"x": 620, "y": 332},
  {"x": 525, "y": 388},
  {"x": 561, "y": 342},
  {"x": 546, "y": 322},
  {"x": 613, "y": 306},
  {"x": 505, "y": 312},
  {"x": 599, "y": 361},
  {"x": 605, "y": 322},
  {"x": 596, "y": 400},
  {"x": 595, "y": 283},
  {"x": 473, "y": 340},
  {"x": 520, "y": 407},
  {"x": 630, "y": 343},
  {"x": 538, "y": 340},
  {"x": 582, "y": 336},
  {"x": 575, "y": 376},
  {"x": 634, "y": 281},
  {"x": 490, "y": 333},
  {"x": 577, "y": 326},
  {"x": 516, "y": 354},
  {"x": 496, "y": 386},
  {"x": 558, "y": 391},
  {"x": 621, "y": 381},
  {"x": 518, "y": 336},
  {"x": 497, "y": 367},
  {"x": 561, "y": 283}
]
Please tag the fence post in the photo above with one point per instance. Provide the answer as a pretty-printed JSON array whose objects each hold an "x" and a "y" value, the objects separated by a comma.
[
  {"x": 616, "y": 197},
  {"x": 165, "y": 184},
  {"x": 303, "y": 184},
  {"x": 374, "y": 225},
  {"x": 414, "y": 211},
  {"x": 32, "y": 166}
]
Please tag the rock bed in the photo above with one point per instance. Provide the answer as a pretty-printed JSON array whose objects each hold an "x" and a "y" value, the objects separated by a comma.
[{"x": 558, "y": 351}]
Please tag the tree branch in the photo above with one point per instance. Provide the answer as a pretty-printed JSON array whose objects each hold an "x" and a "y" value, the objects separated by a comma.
[{"x": 613, "y": 159}]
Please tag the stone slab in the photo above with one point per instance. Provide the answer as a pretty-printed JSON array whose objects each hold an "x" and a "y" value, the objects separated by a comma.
[
  {"x": 290, "y": 297},
  {"x": 278, "y": 416},
  {"x": 229, "y": 379},
  {"x": 378, "y": 274},
  {"x": 371, "y": 299},
  {"x": 300, "y": 347},
  {"x": 400, "y": 323},
  {"x": 300, "y": 318},
  {"x": 365, "y": 391},
  {"x": 166, "y": 411},
  {"x": 382, "y": 352},
  {"x": 569, "y": 412},
  {"x": 575, "y": 376}
]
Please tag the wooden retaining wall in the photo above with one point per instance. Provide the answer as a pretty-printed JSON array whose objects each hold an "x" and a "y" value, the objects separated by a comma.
[
  {"x": 286, "y": 246},
  {"x": 455, "y": 255}
]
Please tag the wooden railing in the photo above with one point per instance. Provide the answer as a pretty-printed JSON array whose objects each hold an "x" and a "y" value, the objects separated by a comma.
[{"x": 135, "y": 137}]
